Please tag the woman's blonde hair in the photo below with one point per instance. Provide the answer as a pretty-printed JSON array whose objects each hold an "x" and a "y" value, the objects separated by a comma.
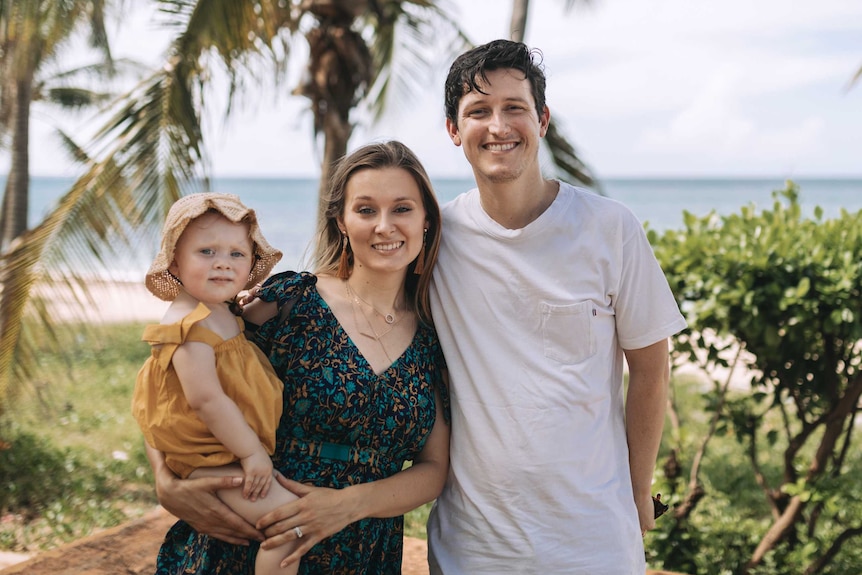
[{"x": 328, "y": 246}]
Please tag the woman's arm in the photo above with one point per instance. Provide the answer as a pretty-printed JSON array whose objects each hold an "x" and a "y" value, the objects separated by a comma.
[
  {"x": 320, "y": 512},
  {"x": 195, "y": 502},
  {"x": 257, "y": 311}
]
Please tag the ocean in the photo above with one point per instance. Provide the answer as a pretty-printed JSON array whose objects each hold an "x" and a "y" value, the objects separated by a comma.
[{"x": 286, "y": 207}]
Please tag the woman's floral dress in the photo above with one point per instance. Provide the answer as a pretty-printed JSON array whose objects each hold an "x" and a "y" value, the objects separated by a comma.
[{"x": 342, "y": 425}]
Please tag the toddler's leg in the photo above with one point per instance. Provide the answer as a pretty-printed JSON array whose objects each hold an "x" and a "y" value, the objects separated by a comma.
[{"x": 268, "y": 561}]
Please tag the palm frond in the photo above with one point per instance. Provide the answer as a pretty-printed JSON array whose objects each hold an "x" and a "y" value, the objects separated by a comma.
[
  {"x": 75, "y": 151},
  {"x": 75, "y": 98},
  {"x": 409, "y": 37},
  {"x": 63, "y": 250},
  {"x": 150, "y": 146},
  {"x": 98, "y": 33},
  {"x": 105, "y": 217},
  {"x": 244, "y": 37},
  {"x": 855, "y": 78},
  {"x": 86, "y": 85},
  {"x": 98, "y": 70},
  {"x": 566, "y": 159},
  {"x": 32, "y": 33},
  {"x": 43, "y": 28},
  {"x": 147, "y": 153}
]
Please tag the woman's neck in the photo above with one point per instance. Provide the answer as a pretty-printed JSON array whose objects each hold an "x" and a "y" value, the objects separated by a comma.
[{"x": 385, "y": 292}]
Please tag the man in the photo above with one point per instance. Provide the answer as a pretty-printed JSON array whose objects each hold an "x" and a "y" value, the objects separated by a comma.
[{"x": 539, "y": 291}]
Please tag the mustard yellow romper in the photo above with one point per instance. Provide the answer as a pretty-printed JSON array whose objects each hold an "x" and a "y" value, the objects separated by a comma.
[{"x": 168, "y": 422}]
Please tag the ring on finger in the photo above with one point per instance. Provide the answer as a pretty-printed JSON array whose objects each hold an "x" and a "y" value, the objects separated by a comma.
[{"x": 298, "y": 532}]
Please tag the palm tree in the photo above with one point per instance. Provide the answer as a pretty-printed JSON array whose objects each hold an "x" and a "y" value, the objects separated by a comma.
[
  {"x": 348, "y": 64},
  {"x": 562, "y": 151},
  {"x": 151, "y": 148},
  {"x": 32, "y": 33}
]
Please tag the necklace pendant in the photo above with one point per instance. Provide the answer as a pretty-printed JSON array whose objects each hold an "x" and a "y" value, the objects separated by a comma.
[{"x": 389, "y": 318}]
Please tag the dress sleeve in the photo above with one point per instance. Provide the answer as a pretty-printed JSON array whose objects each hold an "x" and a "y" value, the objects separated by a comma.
[{"x": 287, "y": 289}]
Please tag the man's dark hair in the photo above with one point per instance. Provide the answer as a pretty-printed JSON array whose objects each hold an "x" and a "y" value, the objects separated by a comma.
[{"x": 471, "y": 67}]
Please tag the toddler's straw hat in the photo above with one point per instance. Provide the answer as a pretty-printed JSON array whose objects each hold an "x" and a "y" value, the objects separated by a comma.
[{"x": 162, "y": 283}]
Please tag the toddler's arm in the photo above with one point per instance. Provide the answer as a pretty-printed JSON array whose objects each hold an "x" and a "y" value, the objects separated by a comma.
[{"x": 195, "y": 365}]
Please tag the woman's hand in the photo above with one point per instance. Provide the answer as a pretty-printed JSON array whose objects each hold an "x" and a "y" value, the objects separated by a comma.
[
  {"x": 195, "y": 502},
  {"x": 319, "y": 512},
  {"x": 249, "y": 296}
]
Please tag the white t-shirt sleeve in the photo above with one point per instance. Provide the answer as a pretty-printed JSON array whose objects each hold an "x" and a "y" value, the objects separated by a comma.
[{"x": 646, "y": 310}]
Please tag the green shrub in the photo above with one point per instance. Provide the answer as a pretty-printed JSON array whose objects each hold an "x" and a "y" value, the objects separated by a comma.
[{"x": 786, "y": 291}]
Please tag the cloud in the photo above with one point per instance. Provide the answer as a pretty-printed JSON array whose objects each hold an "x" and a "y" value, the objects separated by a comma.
[
  {"x": 710, "y": 119},
  {"x": 718, "y": 129}
]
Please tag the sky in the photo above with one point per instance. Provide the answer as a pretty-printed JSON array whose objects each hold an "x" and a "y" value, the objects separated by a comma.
[{"x": 666, "y": 88}]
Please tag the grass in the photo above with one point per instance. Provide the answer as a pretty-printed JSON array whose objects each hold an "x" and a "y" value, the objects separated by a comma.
[{"x": 75, "y": 461}]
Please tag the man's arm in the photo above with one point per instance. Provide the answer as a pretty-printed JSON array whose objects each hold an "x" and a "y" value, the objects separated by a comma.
[{"x": 646, "y": 403}]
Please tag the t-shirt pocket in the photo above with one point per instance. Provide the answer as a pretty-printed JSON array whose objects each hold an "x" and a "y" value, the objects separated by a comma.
[{"x": 567, "y": 332}]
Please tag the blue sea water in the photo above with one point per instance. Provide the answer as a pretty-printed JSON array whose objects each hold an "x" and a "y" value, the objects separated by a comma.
[{"x": 287, "y": 207}]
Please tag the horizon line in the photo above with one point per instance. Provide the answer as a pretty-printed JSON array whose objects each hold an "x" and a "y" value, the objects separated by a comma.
[{"x": 682, "y": 177}]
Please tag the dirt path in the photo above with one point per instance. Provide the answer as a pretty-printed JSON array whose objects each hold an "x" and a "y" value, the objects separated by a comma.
[{"x": 131, "y": 549}]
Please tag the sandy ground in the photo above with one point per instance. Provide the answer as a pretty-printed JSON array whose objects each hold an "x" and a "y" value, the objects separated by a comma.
[
  {"x": 111, "y": 302},
  {"x": 132, "y": 548}
]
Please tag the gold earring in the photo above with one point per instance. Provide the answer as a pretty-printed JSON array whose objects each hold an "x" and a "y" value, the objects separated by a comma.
[
  {"x": 344, "y": 262},
  {"x": 420, "y": 260}
]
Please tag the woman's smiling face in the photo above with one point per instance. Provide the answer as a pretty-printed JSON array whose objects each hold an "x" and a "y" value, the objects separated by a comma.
[{"x": 384, "y": 218}]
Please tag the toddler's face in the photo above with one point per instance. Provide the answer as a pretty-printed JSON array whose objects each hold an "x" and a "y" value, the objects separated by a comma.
[{"x": 213, "y": 258}]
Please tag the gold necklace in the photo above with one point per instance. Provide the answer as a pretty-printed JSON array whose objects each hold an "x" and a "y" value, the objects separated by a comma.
[
  {"x": 387, "y": 317},
  {"x": 354, "y": 303}
]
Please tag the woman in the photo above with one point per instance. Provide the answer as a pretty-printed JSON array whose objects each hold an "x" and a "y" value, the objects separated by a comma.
[{"x": 364, "y": 390}]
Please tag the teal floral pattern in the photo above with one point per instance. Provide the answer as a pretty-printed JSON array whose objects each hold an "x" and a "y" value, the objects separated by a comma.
[{"x": 342, "y": 425}]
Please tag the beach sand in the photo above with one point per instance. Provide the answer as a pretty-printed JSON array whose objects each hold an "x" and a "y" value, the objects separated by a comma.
[
  {"x": 132, "y": 548},
  {"x": 109, "y": 302}
]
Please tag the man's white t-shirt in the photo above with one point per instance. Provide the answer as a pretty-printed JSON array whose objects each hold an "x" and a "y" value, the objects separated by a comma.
[{"x": 533, "y": 323}]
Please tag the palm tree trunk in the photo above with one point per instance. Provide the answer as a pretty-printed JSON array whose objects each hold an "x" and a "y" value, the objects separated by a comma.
[
  {"x": 518, "y": 23},
  {"x": 339, "y": 71},
  {"x": 14, "y": 220},
  {"x": 15, "y": 198},
  {"x": 336, "y": 133}
]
